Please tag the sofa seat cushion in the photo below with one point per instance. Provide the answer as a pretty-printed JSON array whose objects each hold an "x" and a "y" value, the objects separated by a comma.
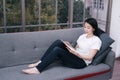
[{"x": 15, "y": 73}]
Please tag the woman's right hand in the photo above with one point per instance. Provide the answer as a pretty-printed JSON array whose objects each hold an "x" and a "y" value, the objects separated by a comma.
[{"x": 66, "y": 43}]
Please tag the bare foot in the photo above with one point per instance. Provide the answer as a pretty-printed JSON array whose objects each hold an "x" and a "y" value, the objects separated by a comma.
[
  {"x": 34, "y": 64},
  {"x": 31, "y": 71}
]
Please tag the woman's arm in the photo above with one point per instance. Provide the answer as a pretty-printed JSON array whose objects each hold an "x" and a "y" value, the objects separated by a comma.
[
  {"x": 90, "y": 56},
  {"x": 66, "y": 43}
]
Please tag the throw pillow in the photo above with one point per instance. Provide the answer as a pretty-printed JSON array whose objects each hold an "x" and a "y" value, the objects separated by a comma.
[
  {"x": 101, "y": 57},
  {"x": 106, "y": 42}
]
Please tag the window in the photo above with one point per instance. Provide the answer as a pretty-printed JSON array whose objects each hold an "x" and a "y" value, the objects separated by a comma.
[
  {"x": 62, "y": 8},
  {"x": 13, "y": 12},
  {"x": 78, "y": 10},
  {"x": 48, "y": 8},
  {"x": 31, "y": 12},
  {"x": 38, "y": 15},
  {"x": 101, "y": 4},
  {"x": 98, "y": 4},
  {"x": 95, "y": 3},
  {"x": 1, "y": 13},
  {"x": 88, "y": 10},
  {"x": 1, "y": 17}
]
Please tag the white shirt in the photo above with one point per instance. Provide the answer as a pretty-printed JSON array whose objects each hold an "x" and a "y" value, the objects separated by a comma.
[{"x": 86, "y": 44}]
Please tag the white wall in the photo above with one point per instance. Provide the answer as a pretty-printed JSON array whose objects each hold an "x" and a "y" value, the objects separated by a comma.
[{"x": 115, "y": 26}]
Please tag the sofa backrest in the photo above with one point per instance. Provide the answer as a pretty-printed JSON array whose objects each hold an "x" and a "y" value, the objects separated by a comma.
[{"x": 27, "y": 47}]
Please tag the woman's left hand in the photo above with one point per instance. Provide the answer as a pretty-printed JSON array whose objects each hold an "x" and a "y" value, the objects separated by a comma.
[{"x": 71, "y": 50}]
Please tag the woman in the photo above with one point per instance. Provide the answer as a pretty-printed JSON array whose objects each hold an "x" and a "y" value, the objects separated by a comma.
[{"x": 79, "y": 57}]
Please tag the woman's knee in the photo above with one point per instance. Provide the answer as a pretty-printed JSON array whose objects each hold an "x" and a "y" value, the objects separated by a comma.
[
  {"x": 58, "y": 41},
  {"x": 57, "y": 49}
]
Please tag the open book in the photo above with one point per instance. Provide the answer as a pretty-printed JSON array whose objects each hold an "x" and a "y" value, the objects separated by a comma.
[{"x": 69, "y": 46}]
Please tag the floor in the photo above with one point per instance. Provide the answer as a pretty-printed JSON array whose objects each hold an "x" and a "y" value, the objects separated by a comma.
[{"x": 116, "y": 71}]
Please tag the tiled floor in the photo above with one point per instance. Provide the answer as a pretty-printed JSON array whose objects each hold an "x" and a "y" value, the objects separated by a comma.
[{"x": 116, "y": 72}]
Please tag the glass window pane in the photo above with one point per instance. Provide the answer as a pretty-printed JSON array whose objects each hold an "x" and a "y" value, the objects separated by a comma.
[
  {"x": 95, "y": 3},
  {"x": 63, "y": 26},
  {"x": 1, "y": 30},
  {"x": 62, "y": 12},
  {"x": 13, "y": 12},
  {"x": 30, "y": 29},
  {"x": 1, "y": 13},
  {"x": 47, "y": 27},
  {"x": 88, "y": 7},
  {"x": 78, "y": 10},
  {"x": 11, "y": 30},
  {"x": 48, "y": 8},
  {"x": 101, "y": 4},
  {"x": 77, "y": 25},
  {"x": 32, "y": 11}
]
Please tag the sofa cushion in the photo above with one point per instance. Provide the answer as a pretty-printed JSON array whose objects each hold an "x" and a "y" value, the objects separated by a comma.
[
  {"x": 106, "y": 42},
  {"x": 54, "y": 72},
  {"x": 101, "y": 57},
  {"x": 100, "y": 32}
]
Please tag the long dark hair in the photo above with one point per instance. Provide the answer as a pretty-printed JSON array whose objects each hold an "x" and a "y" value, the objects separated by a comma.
[{"x": 94, "y": 24}]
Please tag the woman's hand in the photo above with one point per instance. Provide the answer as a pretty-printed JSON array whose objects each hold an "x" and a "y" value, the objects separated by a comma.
[
  {"x": 66, "y": 43},
  {"x": 70, "y": 48}
]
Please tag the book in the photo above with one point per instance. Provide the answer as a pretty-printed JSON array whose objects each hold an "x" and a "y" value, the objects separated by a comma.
[{"x": 69, "y": 46}]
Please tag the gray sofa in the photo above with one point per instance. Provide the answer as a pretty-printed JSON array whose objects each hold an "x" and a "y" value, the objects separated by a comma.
[{"x": 17, "y": 50}]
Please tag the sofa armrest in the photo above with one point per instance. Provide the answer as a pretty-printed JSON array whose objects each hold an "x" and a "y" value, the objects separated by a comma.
[{"x": 110, "y": 60}]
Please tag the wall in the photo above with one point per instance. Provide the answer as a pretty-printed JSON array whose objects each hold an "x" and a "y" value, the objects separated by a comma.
[{"x": 115, "y": 26}]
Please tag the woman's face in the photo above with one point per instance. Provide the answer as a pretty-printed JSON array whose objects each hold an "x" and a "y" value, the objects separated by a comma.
[{"x": 88, "y": 28}]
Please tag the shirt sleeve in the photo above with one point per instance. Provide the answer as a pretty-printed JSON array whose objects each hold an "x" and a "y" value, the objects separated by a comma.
[
  {"x": 80, "y": 37},
  {"x": 96, "y": 44}
]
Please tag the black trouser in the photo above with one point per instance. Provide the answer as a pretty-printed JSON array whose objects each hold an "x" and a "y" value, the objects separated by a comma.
[{"x": 59, "y": 50}]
